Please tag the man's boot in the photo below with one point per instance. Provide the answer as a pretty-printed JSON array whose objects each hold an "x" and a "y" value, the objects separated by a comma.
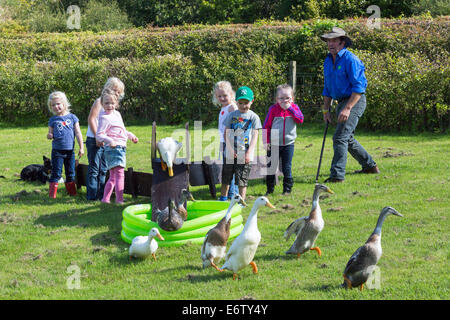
[{"x": 288, "y": 183}]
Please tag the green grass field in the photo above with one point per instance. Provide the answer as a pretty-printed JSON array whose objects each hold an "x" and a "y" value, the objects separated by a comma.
[{"x": 40, "y": 238}]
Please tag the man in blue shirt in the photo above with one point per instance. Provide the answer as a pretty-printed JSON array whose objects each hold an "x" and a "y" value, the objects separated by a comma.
[{"x": 345, "y": 81}]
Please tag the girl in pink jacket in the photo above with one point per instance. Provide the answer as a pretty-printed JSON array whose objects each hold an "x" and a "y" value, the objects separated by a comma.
[
  {"x": 111, "y": 131},
  {"x": 281, "y": 128}
]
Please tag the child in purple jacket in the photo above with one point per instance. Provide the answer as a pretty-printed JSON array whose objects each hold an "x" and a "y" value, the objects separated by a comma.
[{"x": 281, "y": 128}]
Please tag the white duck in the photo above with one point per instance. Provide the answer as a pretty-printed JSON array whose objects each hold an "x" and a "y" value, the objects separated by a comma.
[
  {"x": 143, "y": 246},
  {"x": 215, "y": 244},
  {"x": 168, "y": 148},
  {"x": 243, "y": 248}
]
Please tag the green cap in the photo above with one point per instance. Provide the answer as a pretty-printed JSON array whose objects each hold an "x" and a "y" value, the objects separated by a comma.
[{"x": 244, "y": 93}]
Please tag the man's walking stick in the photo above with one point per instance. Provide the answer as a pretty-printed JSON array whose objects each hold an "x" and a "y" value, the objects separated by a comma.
[{"x": 323, "y": 145}]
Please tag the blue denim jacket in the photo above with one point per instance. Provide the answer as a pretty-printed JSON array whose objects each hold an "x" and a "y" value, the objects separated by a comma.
[{"x": 344, "y": 77}]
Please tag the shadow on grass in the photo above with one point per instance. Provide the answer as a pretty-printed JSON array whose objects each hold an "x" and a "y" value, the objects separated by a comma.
[
  {"x": 273, "y": 257},
  {"x": 325, "y": 287},
  {"x": 197, "y": 278},
  {"x": 93, "y": 215},
  {"x": 195, "y": 273},
  {"x": 124, "y": 260}
]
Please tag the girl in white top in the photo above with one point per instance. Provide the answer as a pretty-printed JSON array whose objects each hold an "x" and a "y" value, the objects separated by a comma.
[{"x": 224, "y": 97}]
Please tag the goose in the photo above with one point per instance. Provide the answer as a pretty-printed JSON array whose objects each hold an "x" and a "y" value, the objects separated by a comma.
[
  {"x": 169, "y": 219},
  {"x": 364, "y": 259},
  {"x": 185, "y": 195},
  {"x": 309, "y": 227},
  {"x": 143, "y": 246},
  {"x": 243, "y": 248},
  {"x": 215, "y": 243},
  {"x": 168, "y": 148}
]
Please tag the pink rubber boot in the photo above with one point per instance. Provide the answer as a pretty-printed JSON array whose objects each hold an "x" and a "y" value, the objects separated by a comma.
[
  {"x": 120, "y": 184},
  {"x": 109, "y": 186}
]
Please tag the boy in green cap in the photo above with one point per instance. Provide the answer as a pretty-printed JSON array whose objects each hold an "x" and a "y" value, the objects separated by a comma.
[{"x": 241, "y": 136}]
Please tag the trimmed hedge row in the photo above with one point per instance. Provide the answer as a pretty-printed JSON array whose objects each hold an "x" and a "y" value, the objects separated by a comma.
[
  {"x": 169, "y": 72},
  {"x": 169, "y": 89},
  {"x": 407, "y": 92},
  {"x": 284, "y": 41}
]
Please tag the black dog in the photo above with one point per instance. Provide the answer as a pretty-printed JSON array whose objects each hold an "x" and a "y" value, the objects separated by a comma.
[{"x": 37, "y": 172}]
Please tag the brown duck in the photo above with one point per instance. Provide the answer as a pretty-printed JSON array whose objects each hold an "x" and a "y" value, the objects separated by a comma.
[
  {"x": 364, "y": 259},
  {"x": 185, "y": 195},
  {"x": 169, "y": 219},
  {"x": 307, "y": 228},
  {"x": 215, "y": 243}
]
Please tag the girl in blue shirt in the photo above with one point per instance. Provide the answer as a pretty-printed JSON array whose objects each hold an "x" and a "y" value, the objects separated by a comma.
[{"x": 63, "y": 127}]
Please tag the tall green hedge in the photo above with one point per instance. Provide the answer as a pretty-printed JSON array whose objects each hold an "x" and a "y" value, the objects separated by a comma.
[
  {"x": 107, "y": 15},
  {"x": 169, "y": 72},
  {"x": 179, "y": 12},
  {"x": 169, "y": 89}
]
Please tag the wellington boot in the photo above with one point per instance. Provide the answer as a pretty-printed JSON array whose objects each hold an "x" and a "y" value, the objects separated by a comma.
[
  {"x": 53, "y": 189},
  {"x": 71, "y": 188}
]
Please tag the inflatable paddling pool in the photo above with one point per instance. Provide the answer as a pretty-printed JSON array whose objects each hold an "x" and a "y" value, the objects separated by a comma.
[{"x": 202, "y": 216}]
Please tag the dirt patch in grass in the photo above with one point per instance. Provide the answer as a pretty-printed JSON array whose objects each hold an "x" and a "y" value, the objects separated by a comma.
[
  {"x": 21, "y": 194},
  {"x": 390, "y": 153},
  {"x": 9, "y": 218},
  {"x": 335, "y": 209}
]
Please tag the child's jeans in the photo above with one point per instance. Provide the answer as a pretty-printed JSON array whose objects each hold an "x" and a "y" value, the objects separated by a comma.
[
  {"x": 62, "y": 158},
  {"x": 286, "y": 153},
  {"x": 95, "y": 184},
  {"x": 234, "y": 188}
]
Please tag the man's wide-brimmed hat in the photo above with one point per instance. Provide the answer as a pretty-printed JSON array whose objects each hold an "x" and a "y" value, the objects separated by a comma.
[{"x": 337, "y": 32}]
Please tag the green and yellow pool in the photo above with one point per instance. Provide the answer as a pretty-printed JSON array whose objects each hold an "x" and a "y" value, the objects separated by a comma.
[{"x": 202, "y": 216}]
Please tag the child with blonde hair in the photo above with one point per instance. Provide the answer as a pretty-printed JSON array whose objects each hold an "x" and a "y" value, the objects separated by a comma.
[
  {"x": 63, "y": 128},
  {"x": 224, "y": 97},
  {"x": 282, "y": 118},
  {"x": 112, "y": 132},
  {"x": 95, "y": 184}
]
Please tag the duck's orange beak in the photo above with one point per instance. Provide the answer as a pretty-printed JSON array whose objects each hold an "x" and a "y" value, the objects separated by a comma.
[
  {"x": 268, "y": 204},
  {"x": 160, "y": 237}
]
